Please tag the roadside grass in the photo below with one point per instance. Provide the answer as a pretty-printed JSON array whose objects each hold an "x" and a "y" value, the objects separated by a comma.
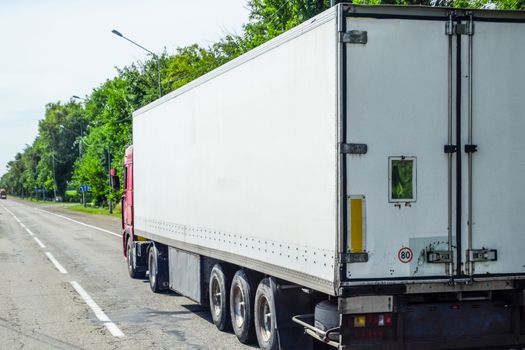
[
  {"x": 41, "y": 201},
  {"x": 89, "y": 209},
  {"x": 94, "y": 210}
]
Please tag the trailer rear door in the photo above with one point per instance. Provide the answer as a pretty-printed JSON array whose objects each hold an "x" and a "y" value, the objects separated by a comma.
[
  {"x": 397, "y": 105},
  {"x": 435, "y": 112},
  {"x": 494, "y": 124}
]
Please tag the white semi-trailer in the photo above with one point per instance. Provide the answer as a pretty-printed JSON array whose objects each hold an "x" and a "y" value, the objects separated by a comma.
[{"x": 359, "y": 178}]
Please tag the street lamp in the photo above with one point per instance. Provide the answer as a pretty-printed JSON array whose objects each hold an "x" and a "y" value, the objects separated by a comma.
[
  {"x": 78, "y": 98},
  {"x": 117, "y": 33},
  {"x": 54, "y": 179}
]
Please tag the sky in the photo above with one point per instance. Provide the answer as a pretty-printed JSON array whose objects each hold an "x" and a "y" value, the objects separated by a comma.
[{"x": 51, "y": 50}]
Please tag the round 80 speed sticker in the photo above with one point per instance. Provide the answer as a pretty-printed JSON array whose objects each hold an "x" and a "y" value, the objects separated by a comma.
[{"x": 405, "y": 255}]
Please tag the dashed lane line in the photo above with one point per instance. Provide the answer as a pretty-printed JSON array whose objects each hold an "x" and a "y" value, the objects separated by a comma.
[
  {"x": 39, "y": 242},
  {"x": 102, "y": 317},
  {"x": 112, "y": 327},
  {"x": 10, "y": 212},
  {"x": 55, "y": 262}
]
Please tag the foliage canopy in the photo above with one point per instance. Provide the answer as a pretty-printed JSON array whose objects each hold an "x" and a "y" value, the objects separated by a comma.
[{"x": 78, "y": 142}]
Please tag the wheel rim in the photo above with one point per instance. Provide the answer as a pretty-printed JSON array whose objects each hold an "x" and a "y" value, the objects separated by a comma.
[
  {"x": 216, "y": 297},
  {"x": 265, "y": 319},
  {"x": 152, "y": 270},
  {"x": 239, "y": 306}
]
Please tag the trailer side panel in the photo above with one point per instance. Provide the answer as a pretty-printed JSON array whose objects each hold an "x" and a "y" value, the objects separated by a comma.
[{"x": 243, "y": 166}]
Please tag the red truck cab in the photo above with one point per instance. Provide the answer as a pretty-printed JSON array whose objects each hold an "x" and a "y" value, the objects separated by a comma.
[
  {"x": 135, "y": 248},
  {"x": 127, "y": 199}
]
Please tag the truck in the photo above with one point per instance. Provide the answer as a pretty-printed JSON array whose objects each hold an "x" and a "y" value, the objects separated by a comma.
[
  {"x": 354, "y": 183},
  {"x": 3, "y": 193}
]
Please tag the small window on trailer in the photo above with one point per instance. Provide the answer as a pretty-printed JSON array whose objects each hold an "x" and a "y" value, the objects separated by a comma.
[{"x": 402, "y": 179}]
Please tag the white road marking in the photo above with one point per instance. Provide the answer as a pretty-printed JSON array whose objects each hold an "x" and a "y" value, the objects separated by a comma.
[
  {"x": 13, "y": 215},
  {"x": 56, "y": 263},
  {"x": 39, "y": 242},
  {"x": 112, "y": 328},
  {"x": 80, "y": 223},
  {"x": 7, "y": 210}
]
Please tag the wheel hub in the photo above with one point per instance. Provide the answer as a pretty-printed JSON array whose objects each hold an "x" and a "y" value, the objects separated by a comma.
[
  {"x": 216, "y": 297},
  {"x": 239, "y": 306},
  {"x": 265, "y": 319}
]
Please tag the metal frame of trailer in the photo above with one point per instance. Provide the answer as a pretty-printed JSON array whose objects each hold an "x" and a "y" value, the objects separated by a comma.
[
  {"x": 343, "y": 16},
  {"x": 378, "y": 251}
]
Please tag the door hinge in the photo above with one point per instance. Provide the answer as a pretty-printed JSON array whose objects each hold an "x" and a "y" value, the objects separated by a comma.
[
  {"x": 349, "y": 258},
  {"x": 479, "y": 255},
  {"x": 439, "y": 256},
  {"x": 354, "y": 148},
  {"x": 471, "y": 148},
  {"x": 451, "y": 148},
  {"x": 354, "y": 37},
  {"x": 452, "y": 28}
]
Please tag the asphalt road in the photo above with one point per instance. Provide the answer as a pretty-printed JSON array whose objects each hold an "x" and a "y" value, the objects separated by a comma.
[{"x": 64, "y": 285}]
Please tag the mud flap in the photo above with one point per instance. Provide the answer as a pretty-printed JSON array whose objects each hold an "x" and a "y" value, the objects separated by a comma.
[{"x": 290, "y": 300}]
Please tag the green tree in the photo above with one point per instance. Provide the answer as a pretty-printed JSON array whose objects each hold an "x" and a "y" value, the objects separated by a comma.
[
  {"x": 78, "y": 143},
  {"x": 60, "y": 133},
  {"x": 269, "y": 18}
]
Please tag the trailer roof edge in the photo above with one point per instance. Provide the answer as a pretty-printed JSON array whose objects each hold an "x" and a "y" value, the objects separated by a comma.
[{"x": 308, "y": 25}]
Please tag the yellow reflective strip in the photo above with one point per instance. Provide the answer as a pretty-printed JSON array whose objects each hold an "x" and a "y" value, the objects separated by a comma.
[{"x": 356, "y": 225}]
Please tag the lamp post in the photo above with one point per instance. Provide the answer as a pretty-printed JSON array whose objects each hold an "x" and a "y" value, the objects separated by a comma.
[
  {"x": 81, "y": 140},
  {"x": 80, "y": 136},
  {"x": 54, "y": 179},
  {"x": 117, "y": 33}
]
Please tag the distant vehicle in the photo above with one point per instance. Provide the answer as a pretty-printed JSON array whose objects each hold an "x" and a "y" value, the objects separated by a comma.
[
  {"x": 358, "y": 177},
  {"x": 3, "y": 194}
]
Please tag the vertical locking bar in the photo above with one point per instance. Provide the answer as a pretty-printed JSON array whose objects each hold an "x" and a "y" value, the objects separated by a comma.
[
  {"x": 449, "y": 32},
  {"x": 459, "y": 191},
  {"x": 470, "y": 32}
]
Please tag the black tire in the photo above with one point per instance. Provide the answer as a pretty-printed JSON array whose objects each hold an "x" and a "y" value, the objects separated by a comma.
[
  {"x": 158, "y": 269},
  {"x": 265, "y": 318},
  {"x": 241, "y": 307},
  {"x": 220, "y": 298},
  {"x": 131, "y": 259}
]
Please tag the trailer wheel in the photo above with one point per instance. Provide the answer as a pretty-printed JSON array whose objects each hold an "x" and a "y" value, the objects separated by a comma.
[
  {"x": 219, "y": 298},
  {"x": 158, "y": 270},
  {"x": 241, "y": 307},
  {"x": 265, "y": 318},
  {"x": 131, "y": 259}
]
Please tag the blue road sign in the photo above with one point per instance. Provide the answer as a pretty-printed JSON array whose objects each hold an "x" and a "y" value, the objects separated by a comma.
[{"x": 85, "y": 188}]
